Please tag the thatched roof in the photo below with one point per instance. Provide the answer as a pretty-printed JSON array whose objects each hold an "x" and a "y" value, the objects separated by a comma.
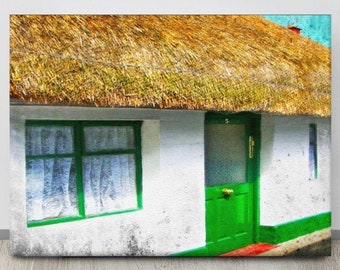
[{"x": 229, "y": 63}]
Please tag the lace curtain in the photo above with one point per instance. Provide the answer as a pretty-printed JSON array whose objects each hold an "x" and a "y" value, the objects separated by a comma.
[
  {"x": 49, "y": 140},
  {"x": 104, "y": 138},
  {"x": 51, "y": 182},
  {"x": 109, "y": 181}
]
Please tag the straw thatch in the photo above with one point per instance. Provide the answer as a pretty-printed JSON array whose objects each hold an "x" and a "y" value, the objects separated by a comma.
[{"x": 229, "y": 63}]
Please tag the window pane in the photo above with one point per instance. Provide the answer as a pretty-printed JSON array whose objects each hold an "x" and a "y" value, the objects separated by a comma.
[
  {"x": 109, "y": 138},
  {"x": 312, "y": 152},
  {"x": 312, "y": 161},
  {"x": 225, "y": 154},
  {"x": 312, "y": 134},
  {"x": 109, "y": 183},
  {"x": 49, "y": 140},
  {"x": 50, "y": 188}
]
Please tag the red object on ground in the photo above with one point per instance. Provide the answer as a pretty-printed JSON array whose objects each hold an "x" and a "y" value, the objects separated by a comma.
[{"x": 251, "y": 250}]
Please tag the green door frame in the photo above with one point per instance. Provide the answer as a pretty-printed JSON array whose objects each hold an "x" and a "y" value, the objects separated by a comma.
[{"x": 255, "y": 132}]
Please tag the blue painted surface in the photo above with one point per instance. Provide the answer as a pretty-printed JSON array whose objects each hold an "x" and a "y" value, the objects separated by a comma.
[{"x": 316, "y": 27}]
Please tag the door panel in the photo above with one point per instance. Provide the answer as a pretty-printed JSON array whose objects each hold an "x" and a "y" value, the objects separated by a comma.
[{"x": 228, "y": 165}]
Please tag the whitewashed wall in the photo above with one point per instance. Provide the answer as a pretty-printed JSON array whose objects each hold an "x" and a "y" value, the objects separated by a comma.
[
  {"x": 286, "y": 193},
  {"x": 173, "y": 214}
]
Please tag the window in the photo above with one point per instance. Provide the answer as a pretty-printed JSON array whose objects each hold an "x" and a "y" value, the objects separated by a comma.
[
  {"x": 77, "y": 170},
  {"x": 313, "y": 172}
]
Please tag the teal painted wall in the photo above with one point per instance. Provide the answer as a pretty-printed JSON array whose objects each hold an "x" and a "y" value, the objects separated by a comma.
[{"x": 316, "y": 27}]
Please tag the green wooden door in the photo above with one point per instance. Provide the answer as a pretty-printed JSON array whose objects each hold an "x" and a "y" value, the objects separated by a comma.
[{"x": 230, "y": 180}]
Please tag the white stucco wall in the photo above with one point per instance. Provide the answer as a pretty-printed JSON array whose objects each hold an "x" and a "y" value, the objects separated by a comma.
[
  {"x": 173, "y": 214},
  {"x": 286, "y": 192}
]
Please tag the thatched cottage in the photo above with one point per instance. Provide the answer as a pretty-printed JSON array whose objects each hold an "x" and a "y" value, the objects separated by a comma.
[{"x": 165, "y": 135}]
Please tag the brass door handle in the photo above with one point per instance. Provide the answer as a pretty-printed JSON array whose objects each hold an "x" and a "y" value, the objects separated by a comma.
[
  {"x": 227, "y": 192},
  {"x": 251, "y": 146}
]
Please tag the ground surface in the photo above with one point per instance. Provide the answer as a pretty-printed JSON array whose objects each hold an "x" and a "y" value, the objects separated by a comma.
[{"x": 7, "y": 262}]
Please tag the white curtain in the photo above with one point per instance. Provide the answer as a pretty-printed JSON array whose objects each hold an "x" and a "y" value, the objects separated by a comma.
[
  {"x": 51, "y": 188},
  {"x": 108, "y": 138},
  {"x": 49, "y": 140},
  {"x": 109, "y": 180},
  {"x": 109, "y": 183},
  {"x": 50, "y": 182}
]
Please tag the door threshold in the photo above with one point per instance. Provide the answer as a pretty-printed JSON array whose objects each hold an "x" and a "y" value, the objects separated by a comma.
[{"x": 251, "y": 250}]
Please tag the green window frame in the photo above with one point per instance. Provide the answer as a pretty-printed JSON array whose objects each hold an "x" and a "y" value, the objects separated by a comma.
[{"x": 78, "y": 152}]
